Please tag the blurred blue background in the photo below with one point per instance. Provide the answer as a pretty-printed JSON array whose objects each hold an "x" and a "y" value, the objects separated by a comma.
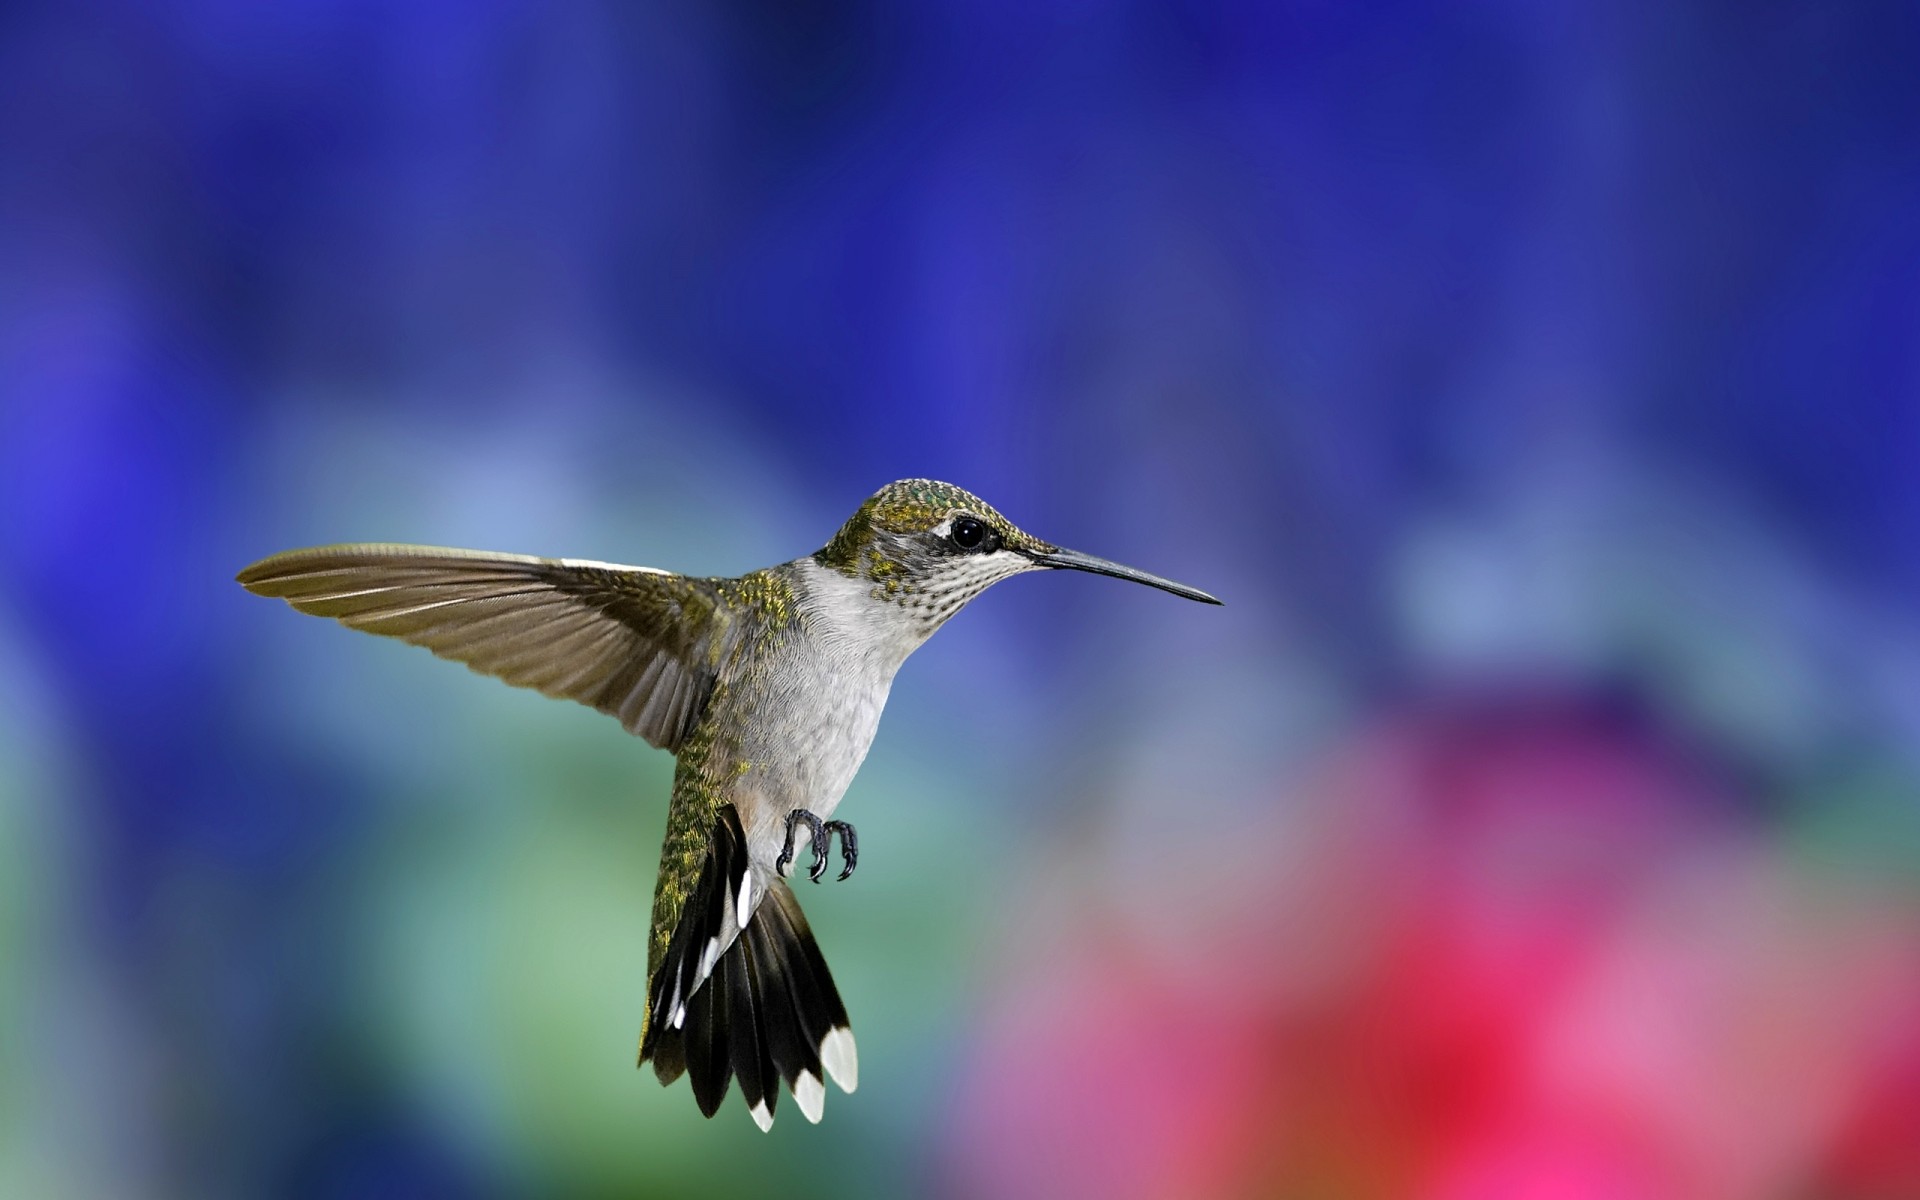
[{"x": 1536, "y": 382}]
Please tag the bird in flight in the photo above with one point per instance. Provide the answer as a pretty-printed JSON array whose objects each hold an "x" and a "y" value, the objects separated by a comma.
[{"x": 767, "y": 688}]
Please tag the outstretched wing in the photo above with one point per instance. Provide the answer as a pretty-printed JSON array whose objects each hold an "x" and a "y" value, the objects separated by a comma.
[{"x": 638, "y": 644}]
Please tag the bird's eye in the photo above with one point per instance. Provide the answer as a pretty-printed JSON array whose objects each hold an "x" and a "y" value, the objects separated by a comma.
[{"x": 968, "y": 533}]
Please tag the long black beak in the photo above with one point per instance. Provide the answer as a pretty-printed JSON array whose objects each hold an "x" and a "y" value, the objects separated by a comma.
[{"x": 1073, "y": 560}]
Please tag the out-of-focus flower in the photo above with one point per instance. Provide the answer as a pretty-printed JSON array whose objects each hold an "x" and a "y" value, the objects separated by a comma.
[{"x": 1531, "y": 950}]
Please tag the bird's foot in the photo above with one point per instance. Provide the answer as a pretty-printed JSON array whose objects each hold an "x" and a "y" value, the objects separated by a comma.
[
  {"x": 821, "y": 835},
  {"x": 849, "y": 847},
  {"x": 818, "y": 836}
]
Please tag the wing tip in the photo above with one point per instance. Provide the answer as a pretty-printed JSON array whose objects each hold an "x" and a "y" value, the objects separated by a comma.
[
  {"x": 287, "y": 563},
  {"x": 347, "y": 554},
  {"x": 255, "y": 573}
]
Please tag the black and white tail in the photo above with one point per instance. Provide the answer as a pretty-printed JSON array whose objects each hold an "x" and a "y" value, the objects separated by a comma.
[{"x": 762, "y": 1009}]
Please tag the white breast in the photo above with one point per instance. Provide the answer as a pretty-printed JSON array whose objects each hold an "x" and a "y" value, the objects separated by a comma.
[{"x": 828, "y": 701}]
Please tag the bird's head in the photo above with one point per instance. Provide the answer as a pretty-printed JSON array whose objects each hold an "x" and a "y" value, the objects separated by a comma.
[{"x": 929, "y": 547}]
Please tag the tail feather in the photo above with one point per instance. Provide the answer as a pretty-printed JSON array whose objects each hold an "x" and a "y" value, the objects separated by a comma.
[
  {"x": 706, "y": 1050},
  {"x": 752, "y": 1057},
  {"x": 794, "y": 1056},
  {"x": 767, "y": 1010},
  {"x": 823, "y": 1018},
  {"x": 707, "y": 923}
]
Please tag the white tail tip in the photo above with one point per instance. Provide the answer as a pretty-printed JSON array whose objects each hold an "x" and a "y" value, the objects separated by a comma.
[
  {"x": 762, "y": 1117},
  {"x": 811, "y": 1095},
  {"x": 838, "y": 1056}
]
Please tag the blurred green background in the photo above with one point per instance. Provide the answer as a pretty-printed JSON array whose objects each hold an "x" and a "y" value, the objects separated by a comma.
[{"x": 1535, "y": 383}]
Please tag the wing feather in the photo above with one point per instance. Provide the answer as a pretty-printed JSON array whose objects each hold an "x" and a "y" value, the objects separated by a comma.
[{"x": 640, "y": 644}]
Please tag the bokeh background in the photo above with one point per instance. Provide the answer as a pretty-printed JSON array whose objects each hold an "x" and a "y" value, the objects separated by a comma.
[{"x": 1538, "y": 383}]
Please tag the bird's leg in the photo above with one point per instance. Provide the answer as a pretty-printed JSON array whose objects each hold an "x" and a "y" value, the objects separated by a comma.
[
  {"x": 849, "y": 845},
  {"x": 819, "y": 838}
]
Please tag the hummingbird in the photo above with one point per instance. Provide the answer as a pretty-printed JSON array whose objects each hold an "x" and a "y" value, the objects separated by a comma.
[{"x": 767, "y": 688}]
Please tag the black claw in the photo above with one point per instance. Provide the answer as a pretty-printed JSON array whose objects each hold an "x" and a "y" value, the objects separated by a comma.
[
  {"x": 815, "y": 828},
  {"x": 822, "y": 841},
  {"x": 849, "y": 845}
]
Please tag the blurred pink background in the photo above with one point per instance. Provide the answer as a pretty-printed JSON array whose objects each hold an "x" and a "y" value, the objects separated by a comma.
[{"x": 1525, "y": 947}]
